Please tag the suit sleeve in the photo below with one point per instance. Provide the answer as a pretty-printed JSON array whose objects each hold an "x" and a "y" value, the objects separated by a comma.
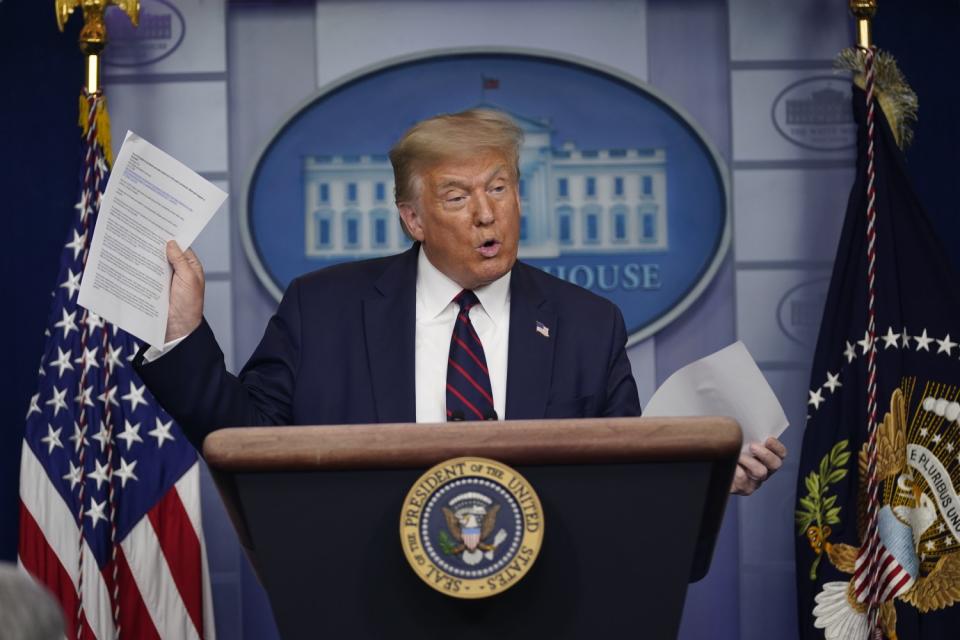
[
  {"x": 622, "y": 397},
  {"x": 192, "y": 384}
]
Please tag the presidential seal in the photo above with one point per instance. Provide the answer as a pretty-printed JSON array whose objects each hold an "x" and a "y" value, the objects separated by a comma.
[{"x": 471, "y": 527}]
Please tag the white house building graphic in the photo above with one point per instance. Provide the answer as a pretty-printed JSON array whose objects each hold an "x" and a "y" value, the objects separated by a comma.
[{"x": 573, "y": 200}]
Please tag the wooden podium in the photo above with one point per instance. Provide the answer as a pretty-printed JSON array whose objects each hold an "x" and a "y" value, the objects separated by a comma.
[{"x": 632, "y": 507}]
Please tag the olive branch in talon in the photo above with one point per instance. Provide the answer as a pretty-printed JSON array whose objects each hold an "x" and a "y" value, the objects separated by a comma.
[
  {"x": 818, "y": 510},
  {"x": 446, "y": 543}
]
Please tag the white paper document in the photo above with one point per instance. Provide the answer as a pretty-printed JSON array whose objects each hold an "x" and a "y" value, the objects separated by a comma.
[
  {"x": 150, "y": 198},
  {"x": 725, "y": 383}
]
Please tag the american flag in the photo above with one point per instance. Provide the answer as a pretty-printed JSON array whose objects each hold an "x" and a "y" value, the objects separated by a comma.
[{"x": 109, "y": 486}]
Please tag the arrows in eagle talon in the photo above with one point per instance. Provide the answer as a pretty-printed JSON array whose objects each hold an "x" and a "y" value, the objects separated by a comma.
[{"x": 497, "y": 541}]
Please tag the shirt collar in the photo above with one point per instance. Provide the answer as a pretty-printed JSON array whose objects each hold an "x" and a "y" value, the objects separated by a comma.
[{"x": 435, "y": 291}]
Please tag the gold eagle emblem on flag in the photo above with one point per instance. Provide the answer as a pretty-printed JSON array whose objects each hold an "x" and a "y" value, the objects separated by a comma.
[{"x": 918, "y": 468}]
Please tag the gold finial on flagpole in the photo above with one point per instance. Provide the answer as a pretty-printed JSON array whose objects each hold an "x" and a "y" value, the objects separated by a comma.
[
  {"x": 93, "y": 35},
  {"x": 863, "y": 11}
]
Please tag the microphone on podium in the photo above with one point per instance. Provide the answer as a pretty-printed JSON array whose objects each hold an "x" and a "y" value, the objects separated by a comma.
[{"x": 457, "y": 415}]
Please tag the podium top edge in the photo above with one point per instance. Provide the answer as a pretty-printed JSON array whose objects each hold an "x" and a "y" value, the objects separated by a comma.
[{"x": 516, "y": 442}]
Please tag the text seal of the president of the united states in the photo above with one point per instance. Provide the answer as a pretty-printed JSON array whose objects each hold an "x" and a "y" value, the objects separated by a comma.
[{"x": 471, "y": 527}]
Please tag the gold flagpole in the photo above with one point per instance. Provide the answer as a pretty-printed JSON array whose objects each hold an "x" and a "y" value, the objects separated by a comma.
[
  {"x": 93, "y": 36},
  {"x": 896, "y": 98},
  {"x": 863, "y": 11}
]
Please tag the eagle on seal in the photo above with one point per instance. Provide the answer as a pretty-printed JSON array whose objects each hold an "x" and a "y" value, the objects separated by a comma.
[{"x": 470, "y": 527}]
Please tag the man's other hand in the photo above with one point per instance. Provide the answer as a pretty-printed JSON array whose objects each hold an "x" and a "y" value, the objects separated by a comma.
[
  {"x": 186, "y": 292},
  {"x": 757, "y": 465}
]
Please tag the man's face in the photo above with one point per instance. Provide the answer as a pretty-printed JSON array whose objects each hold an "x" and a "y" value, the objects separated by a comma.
[{"x": 467, "y": 217}]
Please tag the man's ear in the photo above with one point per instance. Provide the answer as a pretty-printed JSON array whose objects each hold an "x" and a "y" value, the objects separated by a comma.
[{"x": 411, "y": 221}]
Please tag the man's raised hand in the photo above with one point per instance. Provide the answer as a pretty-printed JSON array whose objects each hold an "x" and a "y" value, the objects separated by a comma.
[{"x": 186, "y": 292}]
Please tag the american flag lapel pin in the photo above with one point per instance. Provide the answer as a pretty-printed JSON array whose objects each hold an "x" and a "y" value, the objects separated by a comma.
[{"x": 543, "y": 329}]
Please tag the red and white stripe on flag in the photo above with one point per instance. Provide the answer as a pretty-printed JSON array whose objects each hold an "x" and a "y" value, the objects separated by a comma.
[{"x": 164, "y": 584}]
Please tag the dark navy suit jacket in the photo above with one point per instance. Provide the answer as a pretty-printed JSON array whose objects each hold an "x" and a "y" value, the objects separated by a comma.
[{"x": 340, "y": 350}]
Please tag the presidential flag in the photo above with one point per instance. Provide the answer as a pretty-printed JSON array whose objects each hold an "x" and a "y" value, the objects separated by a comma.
[
  {"x": 109, "y": 486},
  {"x": 881, "y": 558}
]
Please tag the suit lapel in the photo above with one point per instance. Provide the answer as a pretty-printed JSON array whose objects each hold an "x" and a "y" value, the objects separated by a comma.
[
  {"x": 389, "y": 318},
  {"x": 530, "y": 355}
]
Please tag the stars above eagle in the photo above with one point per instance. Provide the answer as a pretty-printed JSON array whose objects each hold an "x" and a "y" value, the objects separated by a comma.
[{"x": 891, "y": 340}]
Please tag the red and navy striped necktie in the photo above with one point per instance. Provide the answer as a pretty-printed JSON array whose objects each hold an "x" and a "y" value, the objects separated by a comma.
[{"x": 468, "y": 381}]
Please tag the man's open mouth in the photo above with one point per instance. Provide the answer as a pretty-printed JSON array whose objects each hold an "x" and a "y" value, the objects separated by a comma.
[{"x": 489, "y": 249}]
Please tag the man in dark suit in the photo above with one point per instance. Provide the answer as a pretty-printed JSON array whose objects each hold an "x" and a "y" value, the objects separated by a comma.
[{"x": 454, "y": 328}]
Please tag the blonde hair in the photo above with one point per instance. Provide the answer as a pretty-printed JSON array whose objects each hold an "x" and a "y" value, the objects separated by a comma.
[{"x": 451, "y": 136}]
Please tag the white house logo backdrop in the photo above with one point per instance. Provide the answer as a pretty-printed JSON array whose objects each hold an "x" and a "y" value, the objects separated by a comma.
[
  {"x": 161, "y": 31},
  {"x": 620, "y": 193},
  {"x": 814, "y": 113}
]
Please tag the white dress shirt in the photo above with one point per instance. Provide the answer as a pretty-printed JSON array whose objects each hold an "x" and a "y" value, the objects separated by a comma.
[{"x": 436, "y": 315}]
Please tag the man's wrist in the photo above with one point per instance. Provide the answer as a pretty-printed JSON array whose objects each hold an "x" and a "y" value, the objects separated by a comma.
[
  {"x": 180, "y": 330},
  {"x": 153, "y": 353}
]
